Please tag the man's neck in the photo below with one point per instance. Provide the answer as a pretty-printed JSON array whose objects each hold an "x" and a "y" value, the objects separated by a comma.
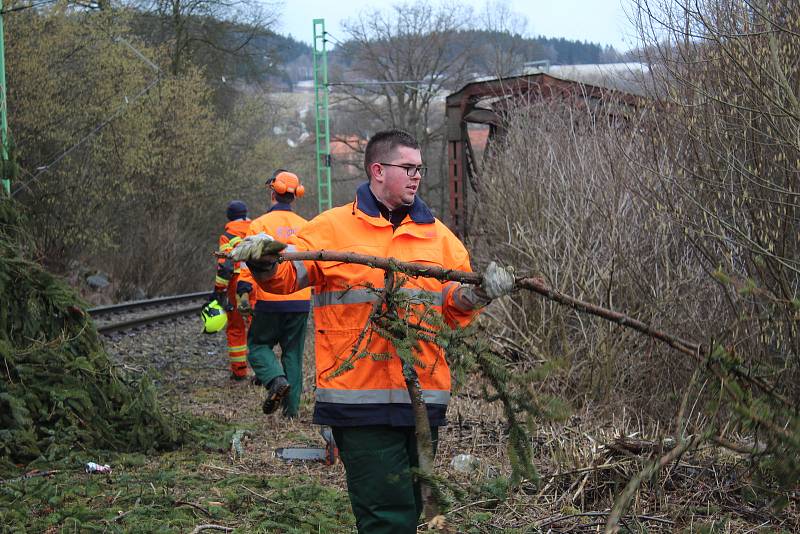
[
  {"x": 280, "y": 206},
  {"x": 393, "y": 215},
  {"x": 381, "y": 201}
]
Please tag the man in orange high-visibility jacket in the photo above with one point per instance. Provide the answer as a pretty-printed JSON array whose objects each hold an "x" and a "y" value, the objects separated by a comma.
[
  {"x": 368, "y": 406},
  {"x": 277, "y": 319},
  {"x": 225, "y": 288}
]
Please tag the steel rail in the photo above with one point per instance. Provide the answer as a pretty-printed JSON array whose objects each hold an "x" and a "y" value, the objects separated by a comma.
[
  {"x": 147, "y": 319},
  {"x": 137, "y": 304}
]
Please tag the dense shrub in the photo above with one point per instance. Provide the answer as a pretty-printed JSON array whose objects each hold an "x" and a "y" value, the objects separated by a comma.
[{"x": 58, "y": 390}]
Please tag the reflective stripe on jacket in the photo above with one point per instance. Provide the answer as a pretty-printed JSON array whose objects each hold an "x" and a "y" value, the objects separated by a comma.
[
  {"x": 281, "y": 223},
  {"x": 228, "y": 269},
  {"x": 374, "y": 391}
]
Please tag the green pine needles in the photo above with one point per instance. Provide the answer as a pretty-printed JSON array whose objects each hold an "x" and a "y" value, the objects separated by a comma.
[
  {"x": 59, "y": 393},
  {"x": 763, "y": 413},
  {"x": 398, "y": 317}
]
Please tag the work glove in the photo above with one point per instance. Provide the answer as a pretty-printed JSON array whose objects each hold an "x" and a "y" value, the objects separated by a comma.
[
  {"x": 221, "y": 297},
  {"x": 243, "y": 304},
  {"x": 497, "y": 282},
  {"x": 259, "y": 251}
]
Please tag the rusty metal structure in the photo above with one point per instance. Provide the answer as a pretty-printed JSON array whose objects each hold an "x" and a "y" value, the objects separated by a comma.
[{"x": 488, "y": 103}]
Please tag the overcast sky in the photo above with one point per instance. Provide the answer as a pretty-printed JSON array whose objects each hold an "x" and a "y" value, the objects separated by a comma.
[{"x": 597, "y": 21}]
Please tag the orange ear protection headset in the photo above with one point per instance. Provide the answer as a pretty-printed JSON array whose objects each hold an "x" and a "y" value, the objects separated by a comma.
[{"x": 286, "y": 182}]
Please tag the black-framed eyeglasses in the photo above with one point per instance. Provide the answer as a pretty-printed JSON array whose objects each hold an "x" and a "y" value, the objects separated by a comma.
[{"x": 411, "y": 170}]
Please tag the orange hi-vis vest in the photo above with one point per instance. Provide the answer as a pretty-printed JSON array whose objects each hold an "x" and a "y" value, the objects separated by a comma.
[
  {"x": 227, "y": 270},
  {"x": 373, "y": 392},
  {"x": 281, "y": 223}
]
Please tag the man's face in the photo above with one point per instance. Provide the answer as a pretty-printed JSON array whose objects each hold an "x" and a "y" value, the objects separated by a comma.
[{"x": 392, "y": 184}]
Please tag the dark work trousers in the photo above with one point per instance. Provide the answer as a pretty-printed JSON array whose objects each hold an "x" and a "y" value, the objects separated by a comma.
[
  {"x": 287, "y": 329},
  {"x": 383, "y": 492}
]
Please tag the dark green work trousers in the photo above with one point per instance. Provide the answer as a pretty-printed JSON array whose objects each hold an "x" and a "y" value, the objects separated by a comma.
[
  {"x": 383, "y": 492},
  {"x": 287, "y": 329}
]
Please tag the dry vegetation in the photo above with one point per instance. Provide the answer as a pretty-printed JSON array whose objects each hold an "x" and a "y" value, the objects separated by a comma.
[
  {"x": 583, "y": 462},
  {"x": 683, "y": 213},
  {"x": 576, "y": 218}
]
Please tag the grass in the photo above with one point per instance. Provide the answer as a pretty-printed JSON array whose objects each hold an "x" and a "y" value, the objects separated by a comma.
[
  {"x": 200, "y": 484},
  {"x": 172, "y": 492},
  {"x": 206, "y": 484}
]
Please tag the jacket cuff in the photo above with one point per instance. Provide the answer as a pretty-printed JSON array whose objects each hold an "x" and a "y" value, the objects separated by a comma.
[
  {"x": 243, "y": 287},
  {"x": 467, "y": 298}
]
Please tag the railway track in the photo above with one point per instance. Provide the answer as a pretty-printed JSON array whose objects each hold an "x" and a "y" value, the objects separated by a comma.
[{"x": 117, "y": 318}]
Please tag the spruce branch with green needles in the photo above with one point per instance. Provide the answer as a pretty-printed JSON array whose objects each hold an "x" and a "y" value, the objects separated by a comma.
[
  {"x": 405, "y": 322},
  {"x": 533, "y": 284},
  {"x": 697, "y": 351}
]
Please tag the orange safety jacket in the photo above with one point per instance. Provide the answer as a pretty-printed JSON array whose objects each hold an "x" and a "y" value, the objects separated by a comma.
[
  {"x": 281, "y": 223},
  {"x": 373, "y": 392},
  {"x": 227, "y": 269}
]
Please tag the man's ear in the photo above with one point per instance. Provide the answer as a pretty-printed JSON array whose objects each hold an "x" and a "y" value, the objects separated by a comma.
[{"x": 376, "y": 173}]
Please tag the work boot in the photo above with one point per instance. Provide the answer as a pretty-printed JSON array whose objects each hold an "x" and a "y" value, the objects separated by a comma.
[{"x": 278, "y": 388}]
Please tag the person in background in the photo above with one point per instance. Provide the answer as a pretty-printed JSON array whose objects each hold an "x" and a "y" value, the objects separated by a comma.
[
  {"x": 368, "y": 406},
  {"x": 225, "y": 287},
  {"x": 277, "y": 319}
]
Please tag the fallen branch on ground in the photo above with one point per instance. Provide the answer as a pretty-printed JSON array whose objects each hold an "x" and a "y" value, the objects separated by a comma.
[
  {"x": 193, "y": 505},
  {"x": 621, "y": 505},
  {"x": 200, "y": 528},
  {"x": 559, "y": 518}
]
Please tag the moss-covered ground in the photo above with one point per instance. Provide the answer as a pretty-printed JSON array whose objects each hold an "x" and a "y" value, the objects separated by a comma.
[
  {"x": 172, "y": 492},
  {"x": 205, "y": 481}
]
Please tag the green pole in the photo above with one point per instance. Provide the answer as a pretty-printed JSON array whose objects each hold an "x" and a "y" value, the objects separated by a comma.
[
  {"x": 322, "y": 125},
  {"x": 3, "y": 107}
]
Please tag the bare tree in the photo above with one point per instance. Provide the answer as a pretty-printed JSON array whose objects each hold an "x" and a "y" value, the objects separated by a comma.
[
  {"x": 208, "y": 32},
  {"x": 410, "y": 54},
  {"x": 505, "y": 49},
  {"x": 687, "y": 214},
  {"x": 400, "y": 62},
  {"x": 726, "y": 74}
]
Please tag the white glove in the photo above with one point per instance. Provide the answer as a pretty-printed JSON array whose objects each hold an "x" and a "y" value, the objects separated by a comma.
[
  {"x": 259, "y": 251},
  {"x": 498, "y": 281},
  {"x": 251, "y": 247}
]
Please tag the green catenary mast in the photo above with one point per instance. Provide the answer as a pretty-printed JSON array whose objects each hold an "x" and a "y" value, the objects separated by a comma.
[
  {"x": 322, "y": 126},
  {"x": 3, "y": 108}
]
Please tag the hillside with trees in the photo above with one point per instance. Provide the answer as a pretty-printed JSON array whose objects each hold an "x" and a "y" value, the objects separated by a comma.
[
  {"x": 159, "y": 112},
  {"x": 486, "y": 47}
]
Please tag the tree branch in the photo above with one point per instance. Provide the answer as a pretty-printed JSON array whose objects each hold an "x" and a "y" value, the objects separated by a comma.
[
  {"x": 612, "y": 524},
  {"x": 699, "y": 352},
  {"x": 532, "y": 284}
]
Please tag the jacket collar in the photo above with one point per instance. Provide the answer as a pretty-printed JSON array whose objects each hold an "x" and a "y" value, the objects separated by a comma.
[
  {"x": 239, "y": 226},
  {"x": 280, "y": 206},
  {"x": 368, "y": 204}
]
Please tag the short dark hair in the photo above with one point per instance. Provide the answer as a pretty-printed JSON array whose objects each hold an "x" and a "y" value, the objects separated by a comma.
[
  {"x": 383, "y": 142},
  {"x": 286, "y": 198}
]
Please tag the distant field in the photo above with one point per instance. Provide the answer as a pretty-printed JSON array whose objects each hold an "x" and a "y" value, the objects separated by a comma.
[{"x": 295, "y": 100}]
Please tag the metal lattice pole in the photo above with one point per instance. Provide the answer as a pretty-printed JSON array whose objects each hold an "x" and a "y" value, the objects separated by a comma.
[{"x": 321, "y": 122}]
